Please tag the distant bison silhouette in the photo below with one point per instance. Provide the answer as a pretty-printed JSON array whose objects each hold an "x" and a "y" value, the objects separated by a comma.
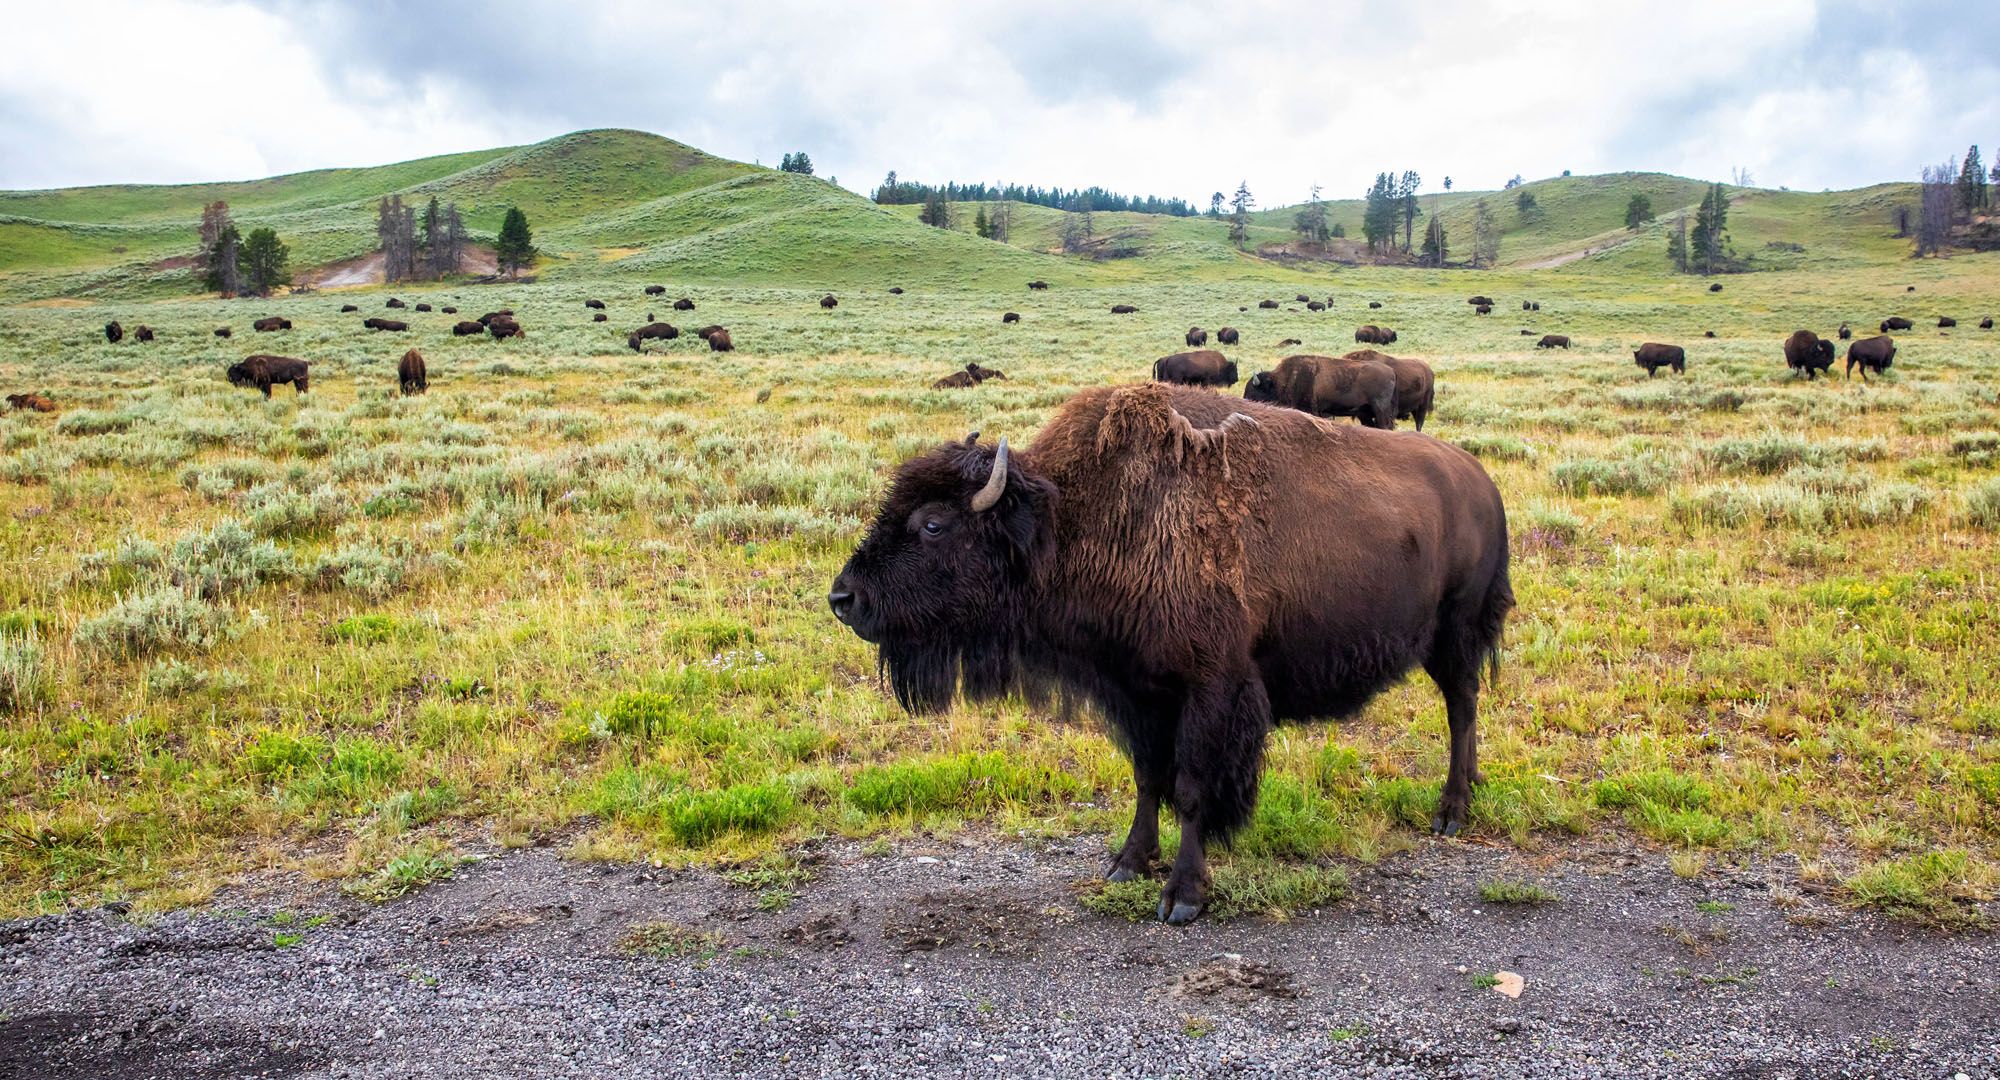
[
  {"x": 1483, "y": 309},
  {"x": 1267, "y": 304},
  {"x": 1038, "y": 284},
  {"x": 1011, "y": 316},
  {"x": 113, "y": 332},
  {"x": 1122, "y": 309},
  {"x": 1197, "y": 336},
  {"x": 1844, "y": 332},
  {"x": 1943, "y": 322},
  {"x": 31, "y": 402},
  {"x": 1373, "y": 304},
  {"x": 1871, "y": 354},
  {"x": 345, "y": 308},
  {"x": 447, "y": 311},
  {"x": 1289, "y": 341},
  {"x": 600, "y": 317},
  {"x": 1986, "y": 323},
  {"x": 1303, "y": 298},
  {"x": 384, "y": 324},
  {"x": 657, "y": 331},
  {"x": 685, "y": 304},
  {"x": 895, "y": 290},
  {"x": 597, "y": 304},
  {"x": 467, "y": 328},
  {"x": 1375, "y": 335},
  {"x": 1910, "y": 288},
  {"x": 1717, "y": 287},
  {"x": 1480, "y": 301},
  {"x": 718, "y": 341},
  {"x": 1204, "y": 367},
  {"x": 828, "y": 302},
  {"x": 393, "y": 302},
  {"x": 1653, "y": 356},
  {"x": 264, "y": 371},
  {"x": 972, "y": 376},
  {"x": 223, "y": 331},
  {"x": 1527, "y": 305},
  {"x": 1314, "y": 305},
  {"x": 271, "y": 323},
  {"x": 1708, "y": 333},
  {"x": 707, "y": 331},
  {"x": 1552, "y": 341},
  {"x": 656, "y": 290},
  {"x": 505, "y": 326},
  {"x": 503, "y": 313},
  {"x": 423, "y": 307},
  {"x": 1807, "y": 352},
  {"x": 1895, "y": 323},
  {"x": 411, "y": 376},
  {"x": 142, "y": 332},
  {"x": 1226, "y": 336}
]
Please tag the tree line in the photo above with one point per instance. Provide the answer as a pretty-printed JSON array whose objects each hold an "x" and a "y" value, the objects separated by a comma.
[
  {"x": 897, "y": 192},
  {"x": 236, "y": 265},
  {"x": 233, "y": 264}
]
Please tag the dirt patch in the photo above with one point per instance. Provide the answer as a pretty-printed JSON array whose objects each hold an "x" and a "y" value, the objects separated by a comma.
[
  {"x": 368, "y": 269},
  {"x": 149, "y": 1043},
  {"x": 989, "y": 921},
  {"x": 177, "y": 262},
  {"x": 1231, "y": 977},
  {"x": 57, "y": 302},
  {"x": 821, "y": 932}
]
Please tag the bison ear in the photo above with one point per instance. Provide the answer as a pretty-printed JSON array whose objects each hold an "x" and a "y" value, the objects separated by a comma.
[{"x": 972, "y": 439}]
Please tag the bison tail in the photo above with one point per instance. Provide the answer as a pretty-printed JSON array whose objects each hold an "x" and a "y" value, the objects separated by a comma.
[{"x": 1493, "y": 621}]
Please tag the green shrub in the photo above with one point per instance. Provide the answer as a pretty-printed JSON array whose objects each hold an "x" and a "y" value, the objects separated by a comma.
[
  {"x": 141, "y": 624},
  {"x": 280, "y": 755},
  {"x": 227, "y": 559},
  {"x": 275, "y": 510},
  {"x": 24, "y": 676},
  {"x": 697, "y": 817},
  {"x": 94, "y": 422},
  {"x": 1640, "y": 474},
  {"x": 1982, "y": 505},
  {"x": 360, "y": 567}
]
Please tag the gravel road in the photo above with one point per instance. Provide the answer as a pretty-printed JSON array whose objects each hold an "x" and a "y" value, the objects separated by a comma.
[{"x": 973, "y": 958}]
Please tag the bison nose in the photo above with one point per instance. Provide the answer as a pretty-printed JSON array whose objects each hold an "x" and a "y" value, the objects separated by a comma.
[{"x": 842, "y": 603}]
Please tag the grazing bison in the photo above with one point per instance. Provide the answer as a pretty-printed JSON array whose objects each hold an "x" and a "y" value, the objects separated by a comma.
[
  {"x": 142, "y": 332},
  {"x": 1943, "y": 322},
  {"x": 1373, "y": 304},
  {"x": 385, "y": 324},
  {"x": 1289, "y": 342},
  {"x": 113, "y": 332},
  {"x": 423, "y": 307},
  {"x": 1197, "y": 336},
  {"x": 1871, "y": 354},
  {"x": 718, "y": 341},
  {"x": 1717, "y": 287},
  {"x": 711, "y": 328},
  {"x": 346, "y": 308},
  {"x": 1653, "y": 356},
  {"x": 685, "y": 304},
  {"x": 657, "y": 331},
  {"x": 1986, "y": 323},
  {"x": 1315, "y": 305},
  {"x": 271, "y": 323},
  {"x": 1162, "y": 554},
  {"x": 1038, "y": 284},
  {"x": 1227, "y": 336},
  {"x": 596, "y": 305},
  {"x": 1552, "y": 341},
  {"x": 1480, "y": 301},
  {"x": 1909, "y": 288},
  {"x": 1122, "y": 309},
  {"x": 1537, "y": 306},
  {"x": 1010, "y": 317},
  {"x": 656, "y": 290},
  {"x": 1483, "y": 309},
  {"x": 600, "y": 317},
  {"x": 411, "y": 375},
  {"x": 505, "y": 327},
  {"x": 1326, "y": 386},
  {"x": 972, "y": 376},
  {"x": 1267, "y": 304},
  {"x": 1895, "y": 322},
  {"x": 1303, "y": 298},
  {"x": 1809, "y": 353},
  {"x": 1204, "y": 367},
  {"x": 467, "y": 328},
  {"x": 31, "y": 402},
  {"x": 264, "y": 371},
  {"x": 447, "y": 310},
  {"x": 503, "y": 313},
  {"x": 1527, "y": 305},
  {"x": 223, "y": 331},
  {"x": 1844, "y": 332},
  {"x": 828, "y": 302},
  {"x": 895, "y": 290},
  {"x": 1708, "y": 333},
  {"x": 1416, "y": 384},
  {"x": 395, "y": 303},
  {"x": 1375, "y": 335}
]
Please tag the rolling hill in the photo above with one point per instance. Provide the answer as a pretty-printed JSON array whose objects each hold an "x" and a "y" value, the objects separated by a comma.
[{"x": 611, "y": 202}]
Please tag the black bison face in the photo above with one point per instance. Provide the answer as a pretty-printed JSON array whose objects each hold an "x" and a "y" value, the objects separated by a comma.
[
  {"x": 239, "y": 375},
  {"x": 938, "y": 582},
  {"x": 1826, "y": 350},
  {"x": 1261, "y": 387}
]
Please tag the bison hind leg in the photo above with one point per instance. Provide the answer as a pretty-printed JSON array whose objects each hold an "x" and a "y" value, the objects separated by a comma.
[{"x": 1468, "y": 639}]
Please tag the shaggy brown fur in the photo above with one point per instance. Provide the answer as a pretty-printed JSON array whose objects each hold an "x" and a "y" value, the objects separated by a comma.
[
  {"x": 1416, "y": 384},
  {"x": 385, "y": 324},
  {"x": 1329, "y": 386},
  {"x": 1203, "y": 367},
  {"x": 505, "y": 327},
  {"x": 657, "y": 331},
  {"x": 31, "y": 402},
  {"x": 395, "y": 303},
  {"x": 264, "y": 371},
  {"x": 1162, "y": 554},
  {"x": 271, "y": 323},
  {"x": 1375, "y": 335},
  {"x": 1807, "y": 352},
  {"x": 411, "y": 374},
  {"x": 1552, "y": 341},
  {"x": 1197, "y": 336},
  {"x": 1227, "y": 336},
  {"x": 719, "y": 341},
  {"x": 1871, "y": 354},
  {"x": 467, "y": 328},
  {"x": 113, "y": 332},
  {"x": 1653, "y": 356}
]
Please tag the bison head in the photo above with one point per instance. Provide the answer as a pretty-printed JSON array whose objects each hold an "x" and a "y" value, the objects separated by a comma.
[
  {"x": 241, "y": 375},
  {"x": 1262, "y": 386},
  {"x": 940, "y": 584},
  {"x": 1826, "y": 350}
]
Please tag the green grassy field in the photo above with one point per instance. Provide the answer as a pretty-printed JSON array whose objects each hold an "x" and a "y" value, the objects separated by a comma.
[{"x": 577, "y": 595}]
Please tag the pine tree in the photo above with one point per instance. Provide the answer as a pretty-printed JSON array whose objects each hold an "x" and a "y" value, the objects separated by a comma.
[
  {"x": 1708, "y": 245},
  {"x": 1639, "y": 211},
  {"x": 1215, "y": 205},
  {"x": 432, "y": 238},
  {"x": 220, "y": 245},
  {"x": 515, "y": 246},
  {"x": 1677, "y": 244},
  {"x": 1378, "y": 217},
  {"x": 453, "y": 256},
  {"x": 1310, "y": 221},
  {"x": 1240, "y": 206},
  {"x": 1406, "y": 196},
  {"x": 1485, "y": 235},
  {"x": 979, "y": 225},
  {"x": 1434, "y": 242},
  {"x": 266, "y": 261},
  {"x": 1972, "y": 183}
]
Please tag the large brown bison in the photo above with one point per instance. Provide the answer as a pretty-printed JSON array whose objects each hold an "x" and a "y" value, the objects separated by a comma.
[
  {"x": 685, "y": 304},
  {"x": 346, "y": 308},
  {"x": 1038, "y": 285},
  {"x": 373, "y": 323},
  {"x": 1653, "y": 356},
  {"x": 142, "y": 332},
  {"x": 1808, "y": 353},
  {"x": 1844, "y": 333},
  {"x": 1227, "y": 335},
  {"x": 1944, "y": 322},
  {"x": 1204, "y": 367},
  {"x": 1895, "y": 322},
  {"x": 1375, "y": 335},
  {"x": 1197, "y": 336},
  {"x": 1329, "y": 386},
  {"x": 223, "y": 331},
  {"x": 1161, "y": 553},
  {"x": 1122, "y": 309},
  {"x": 271, "y": 323},
  {"x": 1267, "y": 304},
  {"x": 1010, "y": 317},
  {"x": 972, "y": 376},
  {"x": 31, "y": 402},
  {"x": 828, "y": 302},
  {"x": 504, "y": 327},
  {"x": 657, "y": 331},
  {"x": 1416, "y": 384},
  {"x": 113, "y": 332},
  {"x": 1552, "y": 341},
  {"x": 718, "y": 341},
  {"x": 705, "y": 332},
  {"x": 395, "y": 303},
  {"x": 656, "y": 290},
  {"x": 467, "y": 328},
  {"x": 1871, "y": 354},
  {"x": 264, "y": 371},
  {"x": 595, "y": 305},
  {"x": 411, "y": 374}
]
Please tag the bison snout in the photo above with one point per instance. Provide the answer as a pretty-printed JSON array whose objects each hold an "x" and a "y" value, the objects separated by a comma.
[{"x": 842, "y": 603}]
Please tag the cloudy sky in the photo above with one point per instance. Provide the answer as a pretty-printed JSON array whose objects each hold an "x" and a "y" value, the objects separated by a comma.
[{"x": 1163, "y": 98}]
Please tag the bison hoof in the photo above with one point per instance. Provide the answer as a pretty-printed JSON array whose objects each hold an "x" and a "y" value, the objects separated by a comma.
[
  {"x": 1121, "y": 874},
  {"x": 1446, "y": 826},
  {"x": 1178, "y": 914}
]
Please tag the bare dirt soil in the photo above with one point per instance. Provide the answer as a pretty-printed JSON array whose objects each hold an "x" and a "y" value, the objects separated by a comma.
[
  {"x": 368, "y": 269},
  {"x": 975, "y": 958}
]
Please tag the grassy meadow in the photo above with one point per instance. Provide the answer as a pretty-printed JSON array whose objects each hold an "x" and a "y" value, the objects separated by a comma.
[{"x": 575, "y": 596}]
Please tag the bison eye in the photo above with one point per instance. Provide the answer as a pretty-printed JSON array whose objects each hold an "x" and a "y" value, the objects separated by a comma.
[{"x": 933, "y": 527}]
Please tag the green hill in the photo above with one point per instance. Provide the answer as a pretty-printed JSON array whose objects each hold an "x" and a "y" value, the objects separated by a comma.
[{"x": 613, "y": 202}]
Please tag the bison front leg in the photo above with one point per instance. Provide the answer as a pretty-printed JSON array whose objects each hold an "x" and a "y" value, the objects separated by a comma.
[
  {"x": 1217, "y": 762},
  {"x": 1153, "y": 775}
]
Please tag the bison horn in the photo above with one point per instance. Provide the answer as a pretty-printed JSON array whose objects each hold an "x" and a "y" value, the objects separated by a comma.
[
  {"x": 972, "y": 439},
  {"x": 995, "y": 484}
]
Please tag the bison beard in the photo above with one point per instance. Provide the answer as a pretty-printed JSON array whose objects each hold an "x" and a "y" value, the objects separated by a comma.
[{"x": 1116, "y": 564}]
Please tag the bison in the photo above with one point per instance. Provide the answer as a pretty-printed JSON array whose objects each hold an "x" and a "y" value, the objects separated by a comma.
[
  {"x": 1373, "y": 304},
  {"x": 1895, "y": 322},
  {"x": 595, "y": 305},
  {"x": 657, "y": 331},
  {"x": 505, "y": 327},
  {"x": 895, "y": 290},
  {"x": 1197, "y": 336},
  {"x": 1537, "y": 306},
  {"x": 264, "y": 371},
  {"x": 1227, "y": 336},
  {"x": 1844, "y": 333},
  {"x": 1315, "y": 305},
  {"x": 142, "y": 332},
  {"x": 1986, "y": 323},
  {"x": 1416, "y": 384},
  {"x": 656, "y": 290},
  {"x": 394, "y": 303},
  {"x": 1288, "y": 342},
  {"x": 503, "y": 313},
  {"x": 706, "y": 331},
  {"x": 1122, "y": 309},
  {"x": 1871, "y": 354},
  {"x": 1809, "y": 353},
  {"x": 423, "y": 307},
  {"x": 1267, "y": 304},
  {"x": 1326, "y": 386},
  {"x": 1480, "y": 301},
  {"x": 385, "y": 324},
  {"x": 1653, "y": 356},
  {"x": 1483, "y": 309},
  {"x": 223, "y": 332},
  {"x": 411, "y": 375},
  {"x": 1552, "y": 341},
  {"x": 1303, "y": 298},
  {"x": 1204, "y": 367},
  {"x": 1944, "y": 321},
  {"x": 600, "y": 317},
  {"x": 1038, "y": 284},
  {"x": 718, "y": 340},
  {"x": 1160, "y": 554},
  {"x": 113, "y": 332},
  {"x": 1375, "y": 335},
  {"x": 1708, "y": 333},
  {"x": 1717, "y": 287},
  {"x": 447, "y": 310},
  {"x": 972, "y": 376},
  {"x": 685, "y": 304},
  {"x": 31, "y": 402},
  {"x": 271, "y": 323},
  {"x": 346, "y": 308},
  {"x": 828, "y": 302},
  {"x": 1010, "y": 317},
  {"x": 1527, "y": 305},
  {"x": 467, "y": 328}
]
